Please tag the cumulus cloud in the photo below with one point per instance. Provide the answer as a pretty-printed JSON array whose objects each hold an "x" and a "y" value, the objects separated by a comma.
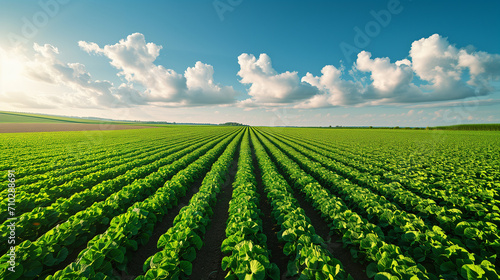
[
  {"x": 135, "y": 58},
  {"x": 46, "y": 67},
  {"x": 269, "y": 87},
  {"x": 334, "y": 90},
  {"x": 435, "y": 70}
]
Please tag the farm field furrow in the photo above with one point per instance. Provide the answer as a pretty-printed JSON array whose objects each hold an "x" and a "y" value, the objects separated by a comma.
[
  {"x": 35, "y": 223},
  {"x": 435, "y": 173},
  {"x": 66, "y": 149},
  {"x": 234, "y": 202},
  {"x": 379, "y": 166},
  {"x": 473, "y": 202},
  {"x": 393, "y": 221},
  {"x": 432, "y": 214},
  {"x": 75, "y": 183}
]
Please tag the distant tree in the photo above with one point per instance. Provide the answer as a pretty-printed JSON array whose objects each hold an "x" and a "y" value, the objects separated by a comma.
[
  {"x": 233, "y": 124},
  {"x": 371, "y": 126}
]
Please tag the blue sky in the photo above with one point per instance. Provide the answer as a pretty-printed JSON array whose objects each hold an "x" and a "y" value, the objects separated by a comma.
[{"x": 406, "y": 63}]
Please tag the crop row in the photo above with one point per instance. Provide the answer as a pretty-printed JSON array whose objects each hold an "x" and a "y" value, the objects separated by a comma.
[
  {"x": 177, "y": 247},
  {"x": 30, "y": 225},
  {"x": 44, "y": 193},
  {"x": 477, "y": 194},
  {"x": 65, "y": 150},
  {"x": 109, "y": 251},
  {"x": 420, "y": 240},
  {"x": 437, "y": 162},
  {"x": 245, "y": 246},
  {"x": 309, "y": 257},
  {"x": 53, "y": 247},
  {"x": 479, "y": 236},
  {"x": 365, "y": 238}
]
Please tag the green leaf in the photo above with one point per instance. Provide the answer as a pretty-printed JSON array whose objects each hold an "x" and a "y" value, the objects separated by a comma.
[
  {"x": 49, "y": 260},
  {"x": 448, "y": 266},
  {"x": 61, "y": 256},
  {"x": 472, "y": 271},
  {"x": 186, "y": 267},
  {"x": 385, "y": 276},
  {"x": 226, "y": 263},
  {"x": 371, "y": 270},
  {"x": 292, "y": 268},
  {"x": 18, "y": 272},
  {"x": 273, "y": 271},
  {"x": 257, "y": 269},
  {"x": 33, "y": 268},
  {"x": 117, "y": 255},
  {"x": 384, "y": 264},
  {"x": 190, "y": 254}
]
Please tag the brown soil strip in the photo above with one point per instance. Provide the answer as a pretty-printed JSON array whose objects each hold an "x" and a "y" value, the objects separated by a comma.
[
  {"x": 49, "y": 127},
  {"x": 137, "y": 258},
  {"x": 334, "y": 243},
  {"x": 269, "y": 225},
  {"x": 207, "y": 264}
]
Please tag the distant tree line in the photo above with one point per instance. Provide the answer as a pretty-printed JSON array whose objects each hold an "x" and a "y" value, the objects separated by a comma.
[{"x": 233, "y": 124}]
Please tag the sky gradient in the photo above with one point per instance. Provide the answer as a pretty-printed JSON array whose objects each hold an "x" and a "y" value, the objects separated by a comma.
[{"x": 314, "y": 63}]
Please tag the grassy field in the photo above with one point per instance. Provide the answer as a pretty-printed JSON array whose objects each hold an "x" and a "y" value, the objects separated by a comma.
[
  {"x": 488, "y": 126},
  {"x": 12, "y": 117},
  {"x": 205, "y": 202},
  {"x": 11, "y": 122}
]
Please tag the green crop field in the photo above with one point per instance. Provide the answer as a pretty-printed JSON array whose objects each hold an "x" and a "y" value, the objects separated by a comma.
[
  {"x": 230, "y": 202},
  {"x": 14, "y": 117}
]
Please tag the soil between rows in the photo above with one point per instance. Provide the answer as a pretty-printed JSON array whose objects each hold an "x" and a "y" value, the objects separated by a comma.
[
  {"x": 207, "y": 264},
  {"x": 136, "y": 261},
  {"x": 334, "y": 242},
  {"x": 336, "y": 248},
  {"x": 269, "y": 225}
]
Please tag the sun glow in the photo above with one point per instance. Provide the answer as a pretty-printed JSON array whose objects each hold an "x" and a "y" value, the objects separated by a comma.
[{"x": 11, "y": 69}]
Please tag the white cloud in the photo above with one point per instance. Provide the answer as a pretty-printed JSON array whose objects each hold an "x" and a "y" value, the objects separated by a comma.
[
  {"x": 135, "y": 59},
  {"x": 434, "y": 71},
  {"x": 201, "y": 88},
  {"x": 46, "y": 67},
  {"x": 388, "y": 78},
  {"x": 267, "y": 87},
  {"x": 334, "y": 91}
]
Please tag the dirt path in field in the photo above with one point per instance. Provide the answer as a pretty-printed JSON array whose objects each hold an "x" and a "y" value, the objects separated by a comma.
[
  {"x": 269, "y": 225},
  {"x": 207, "y": 264},
  {"x": 48, "y": 127},
  {"x": 334, "y": 242},
  {"x": 136, "y": 261}
]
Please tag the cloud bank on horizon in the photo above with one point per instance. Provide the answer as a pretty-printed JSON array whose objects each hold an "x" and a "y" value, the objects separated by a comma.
[{"x": 434, "y": 70}]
